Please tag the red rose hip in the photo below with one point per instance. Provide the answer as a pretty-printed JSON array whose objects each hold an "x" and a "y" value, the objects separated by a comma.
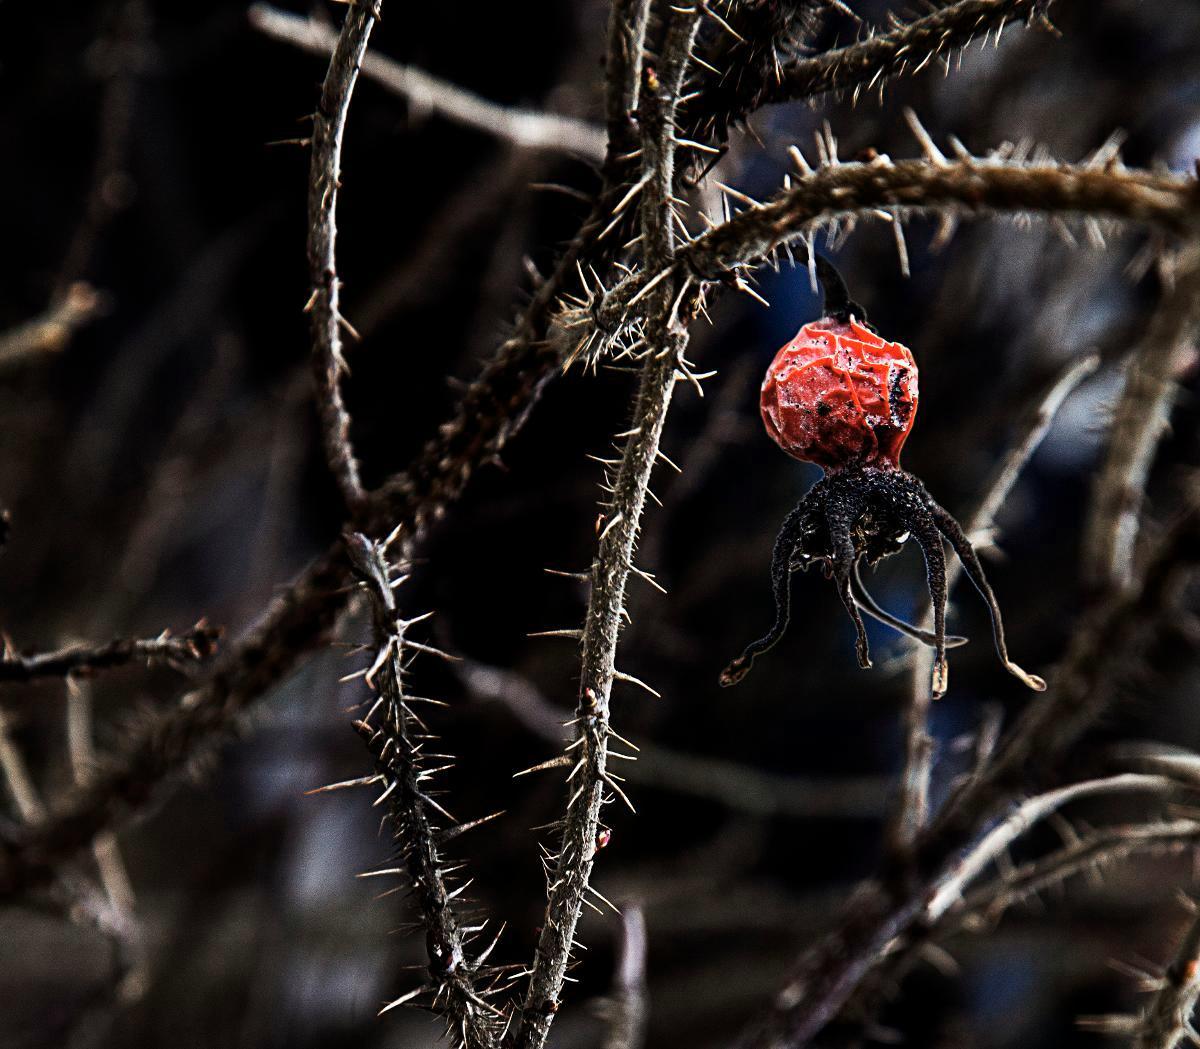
[{"x": 840, "y": 396}]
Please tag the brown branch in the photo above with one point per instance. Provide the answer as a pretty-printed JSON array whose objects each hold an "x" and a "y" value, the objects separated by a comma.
[
  {"x": 1139, "y": 422},
  {"x": 751, "y": 44},
  {"x": 837, "y": 192},
  {"x": 912, "y": 805},
  {"x": 523, "y": 128},
  {"x": 396, "y": 749},
  {"x": 490, "y": 411},
  {"x": 967, "y": 184},
  {"x": 324, "y": 182},
  {"x": 569, "y": 878},
  {"x": 194, "y": 646},
  {"x": 907, "y": 48}
]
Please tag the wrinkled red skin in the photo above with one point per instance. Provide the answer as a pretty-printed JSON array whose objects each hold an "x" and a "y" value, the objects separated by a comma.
[{"x": 840, "y": 396}]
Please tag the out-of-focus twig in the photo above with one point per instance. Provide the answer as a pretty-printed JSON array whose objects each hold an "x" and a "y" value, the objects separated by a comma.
[
  {"x": 527, "y": 129},
  {"x": 123, "y": 55},
  {"x": 912, "y": 805},
  {"x": 191, "y": 647},
  {"x": 626, "y": 1007},
  {"x": 1140, "y": 418},
  {"x": 1097, "y": 848},
  {"x": 53, "y": 329},
  {"x": 733, "y": 785},
  {"x": 324, "y": 182}
]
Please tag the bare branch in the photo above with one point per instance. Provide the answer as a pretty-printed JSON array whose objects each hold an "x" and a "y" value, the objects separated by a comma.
[
  {"x": 324, "y": 182},
  {"x": 1139, "y": 422},
  {"x": 997, "y": 840},
  {"x": 398, "y": 762},
  {"x": 571, "y": 871},
  {"x": 194, "y": 646},
  {"x": 162, "y": 747},
  {"x": 912, "y": 804},
  {"x": 523, "y": 128}
]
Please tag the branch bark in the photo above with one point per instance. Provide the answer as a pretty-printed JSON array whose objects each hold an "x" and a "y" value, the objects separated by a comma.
[
  {"x": 523, "y": 128},
  {"x": 324, "y": 182}
]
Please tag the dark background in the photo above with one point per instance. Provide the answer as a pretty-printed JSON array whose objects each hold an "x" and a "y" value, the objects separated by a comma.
[{"x": 165, "y": 466}]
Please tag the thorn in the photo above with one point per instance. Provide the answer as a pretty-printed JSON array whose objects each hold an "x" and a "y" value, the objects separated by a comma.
[
  {"x": 622, "y": 676},
  {"x": 928, "y": 146},
  {"x": 562, "y": 761},
  {"x": 363, "y": 781}
]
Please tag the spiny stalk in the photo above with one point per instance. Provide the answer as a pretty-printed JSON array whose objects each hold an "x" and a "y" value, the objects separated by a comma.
[{"x": 396, "y": 748}]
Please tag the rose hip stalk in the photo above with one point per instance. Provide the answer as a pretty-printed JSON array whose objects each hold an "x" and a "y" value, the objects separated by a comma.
[{"x": 840, "y": 396}]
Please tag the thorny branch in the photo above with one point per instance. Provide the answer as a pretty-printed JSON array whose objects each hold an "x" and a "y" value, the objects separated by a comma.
[
  {"x": 571, "y": 867},
  {"x": 907, "y": 47},
  {"x": 491, "y": 410},
  {"x": 841, "y": 192},
  {"x": 396, "y": 746},
  {"x": 194, "y": 646},
  {"x": 324, "y": 181},
  {"x": 524, "y": 128}
]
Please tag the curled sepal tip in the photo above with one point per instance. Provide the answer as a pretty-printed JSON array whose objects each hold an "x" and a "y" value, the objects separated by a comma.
[
  {"x": 1038, "y": 684},
  {"x": 940, "y": 682}
]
